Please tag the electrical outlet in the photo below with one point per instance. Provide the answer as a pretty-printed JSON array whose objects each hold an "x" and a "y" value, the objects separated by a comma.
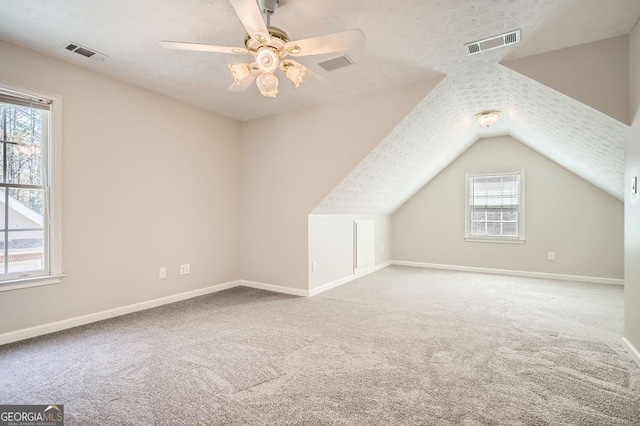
[
  {"x": 163, "y": 272},
  {"x": 551, "y": 255},
  {"x": 185, "y": 269},
  {"x": 314, "y": 266}
]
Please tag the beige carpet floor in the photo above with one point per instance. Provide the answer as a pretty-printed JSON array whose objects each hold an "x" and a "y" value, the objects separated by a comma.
[{"x": 400, "y": 346}]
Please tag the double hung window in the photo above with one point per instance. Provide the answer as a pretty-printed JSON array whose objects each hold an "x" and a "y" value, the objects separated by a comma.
[
  {"x": 28, "y": 243},
  {"x": 495, "y": 207}
]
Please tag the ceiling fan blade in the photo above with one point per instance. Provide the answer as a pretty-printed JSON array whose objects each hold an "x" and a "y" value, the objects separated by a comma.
[
  {"x": 251, "y": 17},
  {"x": 179, "y": 45},
  {"x": 336, "y": 42},
  {"x": 245, "y": 83}
]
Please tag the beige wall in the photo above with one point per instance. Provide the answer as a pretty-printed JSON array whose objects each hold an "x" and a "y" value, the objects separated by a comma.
[
  {"x": 331, "y": 245},
  {"x": 596, "y": 74},
  {"x": 564, "y": 214},
  {"x": 148, "y": 181},
  {"x": 632, "y": 203},
  {"x": 290, "y": 162}
]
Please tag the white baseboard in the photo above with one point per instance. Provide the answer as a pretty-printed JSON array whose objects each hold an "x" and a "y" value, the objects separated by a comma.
[
  {"x": 274, "y": 288},
  {"x": 27, "y": 333},
  {"x": 344, "y": 280},
  {"x": 549, "y": 276},
  {"x": 633, "y": 352},
  {"x": 332, "y": 284},
  {"x": 52, "y": 327}
]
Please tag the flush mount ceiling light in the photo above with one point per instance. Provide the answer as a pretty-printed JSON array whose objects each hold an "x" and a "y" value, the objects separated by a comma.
[
  {"x": 270, "y": 46},
  {"x": 488, "y": 118}
]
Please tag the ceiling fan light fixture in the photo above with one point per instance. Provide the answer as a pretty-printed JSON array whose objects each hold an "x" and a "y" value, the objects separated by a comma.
[
  {"x": 294, "y": 73},
  {"x": 268, "y": 85},
  {"x": 239, "y": 72},
  {"x": 488, "y": 118},
  {"x": 269, "y": 47}
]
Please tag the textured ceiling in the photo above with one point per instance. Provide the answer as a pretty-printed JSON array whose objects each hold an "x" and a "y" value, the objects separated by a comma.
[
  {"x": 440, "y": 128},
  {"x": 406, "y": 41}
]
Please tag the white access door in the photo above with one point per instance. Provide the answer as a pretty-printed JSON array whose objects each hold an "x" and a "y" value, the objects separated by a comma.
[{"x": 364, "y": 238}]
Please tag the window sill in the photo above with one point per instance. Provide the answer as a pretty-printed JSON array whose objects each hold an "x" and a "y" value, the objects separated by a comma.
[
  {"x": 19, "y": 283},
  {"x": 495, "y": 240}
]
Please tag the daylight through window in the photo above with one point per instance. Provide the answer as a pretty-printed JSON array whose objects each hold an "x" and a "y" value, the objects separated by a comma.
[
  {"x": 495, "y": 206},
  {"x": 24, "y": 186}
]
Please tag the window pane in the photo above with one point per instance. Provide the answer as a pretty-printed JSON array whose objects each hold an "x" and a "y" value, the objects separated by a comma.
[
  {"x": 24, "y": 124},
  {"x": 26, "y": 208},
  {"x": 510, "y": 229},
  {"x": 477, "y": 228},
  {"x": 510, "y": 215},
  {"x": 479, "y": 191},
  {"x": 495, "y": 190},
  {"x": 1, "y": 162},
  {"x": 24, "y": 164},
  {"x": 2, "y": 210},
  {"x": 26, "y": 251},
  {"x": 493, "y": 229},
  {"x": 1, "y": 253},
  {"x": 479, "y": 214},
  {"x": 493, "y": 215}
]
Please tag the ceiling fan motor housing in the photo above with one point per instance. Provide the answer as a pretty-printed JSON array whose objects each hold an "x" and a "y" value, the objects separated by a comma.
[{"x": 278, "y": 39}]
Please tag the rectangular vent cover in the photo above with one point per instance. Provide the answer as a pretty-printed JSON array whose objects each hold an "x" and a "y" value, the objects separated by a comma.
[
  {"x": 494, "y": 42},
  {"x": 336, "y": 63},
  {"x": 85, "y": 51}
]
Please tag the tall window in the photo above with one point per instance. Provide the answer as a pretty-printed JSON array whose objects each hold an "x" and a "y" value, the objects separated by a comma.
[
  {"x": 495, "y": 207},
  {"x": 26, "y": 154}
]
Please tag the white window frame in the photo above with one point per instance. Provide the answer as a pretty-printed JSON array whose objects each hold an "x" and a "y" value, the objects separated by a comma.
[
  {"x": 53, "y": 270},
  {"x": 520, "y": 238}
]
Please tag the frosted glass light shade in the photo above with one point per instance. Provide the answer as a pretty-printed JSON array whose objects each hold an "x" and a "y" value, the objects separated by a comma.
[
  {"x": 295, "y": 74},
  {"x": 268, "y": 85},
  {"x": 239, "y": 72}
]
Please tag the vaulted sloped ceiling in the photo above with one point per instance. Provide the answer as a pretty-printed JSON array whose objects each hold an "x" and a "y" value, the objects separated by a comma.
[{"x": 442, "y": 126}]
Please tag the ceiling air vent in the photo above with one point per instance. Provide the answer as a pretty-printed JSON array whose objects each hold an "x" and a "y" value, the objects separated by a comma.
[
  {"x": 336, "y": 63},
  {"x": 494, "y": 42},
  {"x": 85, "y": 51}
]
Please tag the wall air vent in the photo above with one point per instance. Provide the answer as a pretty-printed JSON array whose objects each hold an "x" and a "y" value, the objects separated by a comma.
[
  {"x": 494, "y": 42},
  {"x": 336, "y": 63},
  {"x": 85, "y": 51}
]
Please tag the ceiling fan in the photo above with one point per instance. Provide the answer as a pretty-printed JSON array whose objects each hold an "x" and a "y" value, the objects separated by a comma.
[{"x": 270, "y": 47}]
